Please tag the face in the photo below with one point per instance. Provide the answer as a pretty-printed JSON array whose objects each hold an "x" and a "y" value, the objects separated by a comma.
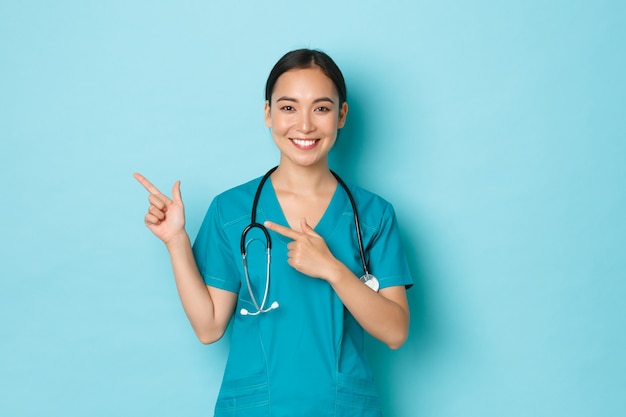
[{"x": 304, "y": 116}]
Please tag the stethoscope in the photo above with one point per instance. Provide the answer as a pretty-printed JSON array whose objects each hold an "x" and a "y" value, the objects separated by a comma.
[{"x": 369, "y": 279}]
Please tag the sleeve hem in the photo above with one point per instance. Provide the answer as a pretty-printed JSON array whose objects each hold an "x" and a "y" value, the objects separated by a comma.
[
  {"x": 395, "y": 281},
  {"x": 222, "y": 284}
]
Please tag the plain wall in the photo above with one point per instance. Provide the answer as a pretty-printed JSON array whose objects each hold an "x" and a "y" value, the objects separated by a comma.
[{"x": 496, "y": 128}]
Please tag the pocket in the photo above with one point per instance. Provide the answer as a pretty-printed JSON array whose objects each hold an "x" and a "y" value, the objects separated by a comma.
[
  {"x": 247, "y": 396},
  {"x": 245, "y": 303},
  {"x": 357, "y": 397}
]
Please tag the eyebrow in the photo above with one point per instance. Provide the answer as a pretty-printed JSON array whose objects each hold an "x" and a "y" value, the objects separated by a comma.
[{"x": 317, "y": 100}]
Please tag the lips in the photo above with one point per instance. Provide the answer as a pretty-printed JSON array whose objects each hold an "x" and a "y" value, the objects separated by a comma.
[{"x": 304, "y": 143}]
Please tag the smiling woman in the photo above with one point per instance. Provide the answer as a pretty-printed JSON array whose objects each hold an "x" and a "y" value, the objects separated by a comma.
[
  {"x": 304, "y": 113},
  {"x": 304, "y": 356}
]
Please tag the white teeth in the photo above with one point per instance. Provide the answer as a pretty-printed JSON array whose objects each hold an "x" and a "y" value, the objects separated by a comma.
[{"x": 304, "y": 142}]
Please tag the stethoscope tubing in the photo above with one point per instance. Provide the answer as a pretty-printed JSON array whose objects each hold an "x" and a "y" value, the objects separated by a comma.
[
  {"x": 268, "y": 244},
  {"x": 357, "y": 223}
]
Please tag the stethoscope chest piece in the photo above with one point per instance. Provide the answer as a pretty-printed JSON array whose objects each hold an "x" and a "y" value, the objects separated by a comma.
[{"x": 371, "y": 281}]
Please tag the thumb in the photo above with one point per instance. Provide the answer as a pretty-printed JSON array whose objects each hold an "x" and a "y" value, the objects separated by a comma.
[
  {"x": 176, "y": 196},
  {"x": 304, "y": 226}
]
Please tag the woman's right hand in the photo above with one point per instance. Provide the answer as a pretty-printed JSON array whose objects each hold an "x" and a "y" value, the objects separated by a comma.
[{"x": 165, "y": 217}]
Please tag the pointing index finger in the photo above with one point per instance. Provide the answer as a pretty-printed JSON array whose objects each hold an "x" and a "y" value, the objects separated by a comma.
[
  {"x": 147, "y": 184},
  {"x": 282, "y": 230}
]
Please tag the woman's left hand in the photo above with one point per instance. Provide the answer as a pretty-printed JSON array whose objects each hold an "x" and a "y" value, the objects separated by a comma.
[
  {"x": 308, "y": 252},
  {"x": 383, "y": 314}
]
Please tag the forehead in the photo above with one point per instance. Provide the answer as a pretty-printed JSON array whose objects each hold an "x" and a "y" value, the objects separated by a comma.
[{"x": 304, "y": 83}]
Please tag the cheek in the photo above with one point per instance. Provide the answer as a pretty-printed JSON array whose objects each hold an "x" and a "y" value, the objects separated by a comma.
[
  {"x": 330, "y": 123},
  {"x": 281, "y": 122}
]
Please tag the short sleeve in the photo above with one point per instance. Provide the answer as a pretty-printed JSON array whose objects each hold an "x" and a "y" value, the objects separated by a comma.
[
  {"x": 387, "y": 259},
  {"x": 213, "y": 253}
]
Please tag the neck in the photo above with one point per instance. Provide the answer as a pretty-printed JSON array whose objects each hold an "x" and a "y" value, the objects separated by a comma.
[{"x": 303, "y": 179}]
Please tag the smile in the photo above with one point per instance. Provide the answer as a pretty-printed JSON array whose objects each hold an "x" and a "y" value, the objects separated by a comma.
[{"x": 305, "y": 143}]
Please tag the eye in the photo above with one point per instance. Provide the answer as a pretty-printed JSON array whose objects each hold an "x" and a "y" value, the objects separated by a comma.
[
  {"x": 287, "y": 108},
  {"x": 322, "y": 109}
]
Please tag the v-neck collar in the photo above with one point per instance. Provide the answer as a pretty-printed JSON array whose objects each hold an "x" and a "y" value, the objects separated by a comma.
[{"x": 271, "y": 210}]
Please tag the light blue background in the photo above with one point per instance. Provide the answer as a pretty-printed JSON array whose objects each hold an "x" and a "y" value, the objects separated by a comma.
[{"x": 495, "y": 127}]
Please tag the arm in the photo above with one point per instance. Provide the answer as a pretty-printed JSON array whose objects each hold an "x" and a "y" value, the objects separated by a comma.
[
  {"x": 384, "y": 315},
  {"x": 208, "y": 309}
]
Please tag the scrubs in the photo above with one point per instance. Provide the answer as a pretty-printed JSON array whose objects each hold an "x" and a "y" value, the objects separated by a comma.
[{"x": 307, "y": 357}]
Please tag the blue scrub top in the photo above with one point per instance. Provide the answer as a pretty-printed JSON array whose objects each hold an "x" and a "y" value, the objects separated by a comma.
[{"x": 307, "y": 357}]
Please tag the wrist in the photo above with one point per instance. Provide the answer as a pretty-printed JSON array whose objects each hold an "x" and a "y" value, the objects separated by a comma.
[
  {"x": 336, "y": 272},
  {"x": 177, "y": 239}
]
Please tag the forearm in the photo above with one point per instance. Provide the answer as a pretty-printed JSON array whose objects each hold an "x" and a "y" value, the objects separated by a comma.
[
  {"x": 194, "y": 294},
  {"x": 384, "y": 315}
]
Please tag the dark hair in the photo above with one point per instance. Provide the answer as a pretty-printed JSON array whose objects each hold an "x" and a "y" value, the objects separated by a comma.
[{"x": 307, "y": 58}]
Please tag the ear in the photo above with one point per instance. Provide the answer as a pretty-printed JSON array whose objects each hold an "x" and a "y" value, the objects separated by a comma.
[
  {"x": 343, "y": 113},
  {"x": 268, "y": 114}
]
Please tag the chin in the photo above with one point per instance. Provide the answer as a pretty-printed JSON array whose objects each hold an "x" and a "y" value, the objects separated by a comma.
[{"x": 308, "y": 163}]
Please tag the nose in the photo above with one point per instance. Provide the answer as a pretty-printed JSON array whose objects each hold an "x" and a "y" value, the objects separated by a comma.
[{"x": 305, "y": 123}]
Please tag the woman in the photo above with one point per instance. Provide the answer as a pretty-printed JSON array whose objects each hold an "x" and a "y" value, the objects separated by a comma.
[{"x": 298, "y": 325}]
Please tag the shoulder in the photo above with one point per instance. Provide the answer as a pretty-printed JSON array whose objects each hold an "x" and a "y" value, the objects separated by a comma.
[
  {"x": 373, "y": 209},
  {"x": 368, "y": 198},
  {"x": 235, "y": 203},
  {"x": 240, "y": 192}
]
